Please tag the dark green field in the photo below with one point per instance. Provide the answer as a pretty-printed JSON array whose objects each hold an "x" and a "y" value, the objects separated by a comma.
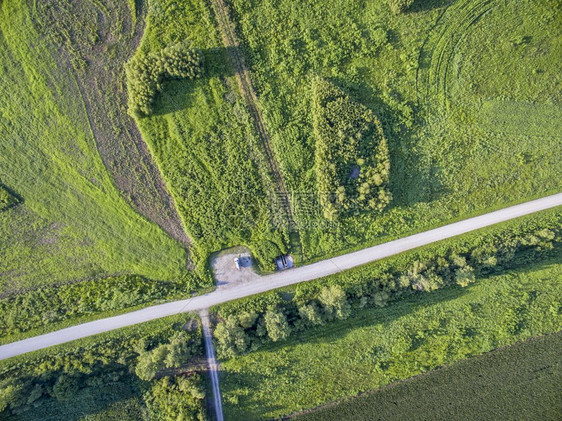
[{"x": 520, "y": 382}]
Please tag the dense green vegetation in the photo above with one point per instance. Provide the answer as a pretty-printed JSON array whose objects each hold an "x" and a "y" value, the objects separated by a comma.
[
  {"x": 44, "y": 308},
  {"x": 352, "y": 164},
  {"x": 399, "y": 6},
  {"x": 250, "y": 323},
  {"x": 147, "y": 73},
  {"x": 471, "y": 114},
  {"x": 520, "y": 382},
  {"x": 202, "y": 138},
  {"x": 73, "y": 224},
  {"x": 141, "y": 372},
  {"x": 7, "y": 199},
  {"x": 378, "y": 346}
]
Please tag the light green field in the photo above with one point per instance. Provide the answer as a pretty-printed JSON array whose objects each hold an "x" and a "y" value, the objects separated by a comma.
[
  {"x": 468, "y": 92},
  {"x": 73, "y": 224}
]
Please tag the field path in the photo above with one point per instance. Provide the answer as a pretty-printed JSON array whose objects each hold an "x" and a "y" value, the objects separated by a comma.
[
  {"x": 242, "y": 74},
  {"x": 242, "y": 289}
]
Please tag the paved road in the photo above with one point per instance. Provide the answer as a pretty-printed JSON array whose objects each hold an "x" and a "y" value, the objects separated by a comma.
[
  {"x": 278, "y": 280},
  {"x": 212, "y": 363}
]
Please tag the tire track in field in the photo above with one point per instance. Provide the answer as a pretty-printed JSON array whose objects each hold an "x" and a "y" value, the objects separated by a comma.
[
  {"x": 439, "y": 48},
  {"x": 242, "y": 74}
]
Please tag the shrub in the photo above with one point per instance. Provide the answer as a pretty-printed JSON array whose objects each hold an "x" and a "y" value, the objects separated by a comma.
[
  {"x": 399, "y": 6},
  {"x": 146, "y": 74},
  {"x": 351, "y": 161}
]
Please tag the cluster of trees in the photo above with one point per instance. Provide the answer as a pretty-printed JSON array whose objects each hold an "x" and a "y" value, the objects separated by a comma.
[
  {"x": 172, "y": 354},
  {"x": 176, "y": 398},
  {"x": 351, "y": 160},
  {"x": 66, "y": 372},
  {"x": 44, "y": 306},
  {"x": 399, "y": 6},
  {"x": 146, "y": 74},
  {"x": 246, "y": 325},
  {"x": 7, "y": 200}
]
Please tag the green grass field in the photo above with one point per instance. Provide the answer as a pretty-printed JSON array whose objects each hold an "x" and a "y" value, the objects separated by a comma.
[
  {"x": 468, "y": 93},
  {"x": 72, "y": 223},
  {"x": 520, "y": 382},
  {"x": 376, "y": 347},
  {"x": 203, "y": 140}
]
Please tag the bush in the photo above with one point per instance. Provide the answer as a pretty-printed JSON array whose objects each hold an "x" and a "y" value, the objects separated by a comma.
[
  {"x": 399, "y": 6},
  {"x": 146, "y": 74},
  {"x": 7, "y": 200},
  {"x": 351, "y": 161},
  {"x": 45, "y": 306}
]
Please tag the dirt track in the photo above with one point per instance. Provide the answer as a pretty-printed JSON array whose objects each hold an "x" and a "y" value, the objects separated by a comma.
[{"x": 242, "y": 74}]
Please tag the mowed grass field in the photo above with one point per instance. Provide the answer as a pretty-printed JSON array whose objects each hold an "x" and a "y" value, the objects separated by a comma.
[
  {"x": 71, "y": 223},
  {"x": 376, "y": 347},
  {"x": 468, "y": 92},
  {"x": 520, "y": 382}
]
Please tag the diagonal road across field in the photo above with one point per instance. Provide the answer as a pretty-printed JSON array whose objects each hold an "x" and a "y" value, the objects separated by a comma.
[{"x": 280, "y": 279}]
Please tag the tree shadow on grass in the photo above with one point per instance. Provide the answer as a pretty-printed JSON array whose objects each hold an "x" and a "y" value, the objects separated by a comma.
[
  {"x": 176, "y": 95},
  {"x": 80, "y": 403}
]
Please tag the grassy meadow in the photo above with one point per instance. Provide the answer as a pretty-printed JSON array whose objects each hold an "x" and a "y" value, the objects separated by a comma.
[
  {"x": 72, "y": 222},
  {"x": 520, "y": 382},
  {"x": 468, "y": 93},
  {"x": 376, "y": 347},
  {"x": 203, "y": 140}
]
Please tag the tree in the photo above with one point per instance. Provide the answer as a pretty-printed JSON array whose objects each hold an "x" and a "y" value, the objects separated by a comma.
[
  {"x": 276, "y": 325},
  {"x": 311, "y": 314},
  {"x": 65, "y": 387},
  {"x": 177, "y": 399},
  {"x": 147, "y": 72},
  {"x": 465, "y": 276},
  {"x": 247, "y": 319},
  {"x": 231, "y": 337},
  {"x": 10, "y": 394},
  {"x": 335, "y": 303},
  {"x": 381, "y": 298},
  {"x": 169, "y": 355},
  {"x": 399, "y": 6}
]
